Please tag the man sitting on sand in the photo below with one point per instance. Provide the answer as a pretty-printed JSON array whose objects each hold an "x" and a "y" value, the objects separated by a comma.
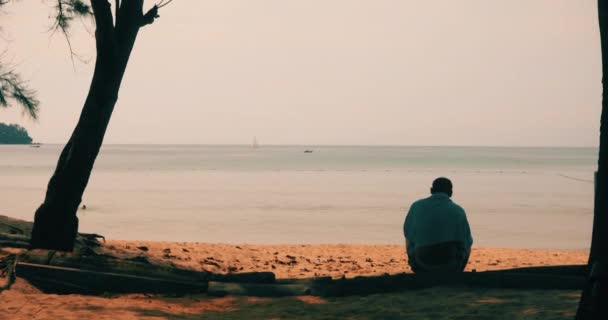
[{"x": 437, "y": 233}]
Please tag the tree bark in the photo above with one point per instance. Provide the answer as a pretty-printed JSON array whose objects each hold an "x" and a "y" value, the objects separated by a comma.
[
  {"x": 595, "y": 294},
  {"x": 55, "y": 222}
]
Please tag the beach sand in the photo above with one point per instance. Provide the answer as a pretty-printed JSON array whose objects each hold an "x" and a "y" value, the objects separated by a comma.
[
  {"x": 23, "y": 301},
  {"x": 335, "y": 260}
]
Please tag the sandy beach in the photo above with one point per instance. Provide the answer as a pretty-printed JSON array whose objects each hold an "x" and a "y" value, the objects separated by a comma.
[
  {"x": 23, "y": 301},
  {"x": 270, "y": 160},
  {"x": 335, "y": 260}
]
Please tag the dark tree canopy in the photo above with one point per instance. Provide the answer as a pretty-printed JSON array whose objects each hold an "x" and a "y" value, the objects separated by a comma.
[{"x": 14, "y": 134}]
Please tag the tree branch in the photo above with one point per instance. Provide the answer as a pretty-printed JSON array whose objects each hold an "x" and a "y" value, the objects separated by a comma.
[
  {"x": 66, "y": 11},
  {"x": 149, "y": 17},
  {"x": 15, "y": 89},
  {"x": 104, "y": 32}
]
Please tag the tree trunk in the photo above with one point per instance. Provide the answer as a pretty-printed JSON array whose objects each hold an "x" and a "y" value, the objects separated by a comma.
[
  {"x": 595, "y": 294},
  {"x": 55, "y": 222}
]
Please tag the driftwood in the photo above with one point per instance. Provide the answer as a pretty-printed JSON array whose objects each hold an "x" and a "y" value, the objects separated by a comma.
[
  {"x": 544, "y": 278},
  {"x": 87, "y": 274},
  {"x": 573, "y": 270},
  {"x": 487, "y": 279},
  {"x": 128, "y": 277},
  {"x": 141, "y": 266},
  {"x": 280, "y": 288},
  {"x": 69, "y": 280},
  {"x": 258, "y": 290}
]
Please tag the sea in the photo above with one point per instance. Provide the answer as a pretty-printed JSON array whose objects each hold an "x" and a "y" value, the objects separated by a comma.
[{"x": 514, "y": 197}]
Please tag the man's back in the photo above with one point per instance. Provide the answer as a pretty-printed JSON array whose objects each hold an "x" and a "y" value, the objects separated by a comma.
[
  {"x": 434, "y": 220},
  {"x": 437, "y": 232}
]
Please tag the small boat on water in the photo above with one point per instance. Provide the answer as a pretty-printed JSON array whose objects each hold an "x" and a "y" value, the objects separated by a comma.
[
  {"x": 255, "y": 144},
  {"x": 308, "y": 151}
]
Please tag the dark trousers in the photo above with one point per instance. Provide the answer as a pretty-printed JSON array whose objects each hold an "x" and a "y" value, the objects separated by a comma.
[{"x": 442, "y": 257}]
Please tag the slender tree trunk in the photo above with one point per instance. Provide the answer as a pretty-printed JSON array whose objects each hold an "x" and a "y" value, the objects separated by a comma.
[
  {"x": 55, "y": 222},
  {"x": 594, "y": 300}
]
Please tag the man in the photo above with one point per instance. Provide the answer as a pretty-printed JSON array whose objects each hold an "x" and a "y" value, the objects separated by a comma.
[{"x": 437, "y": 233}]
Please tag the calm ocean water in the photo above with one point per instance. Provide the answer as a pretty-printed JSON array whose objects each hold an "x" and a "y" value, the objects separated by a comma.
[{"x": 514, "y": 197}]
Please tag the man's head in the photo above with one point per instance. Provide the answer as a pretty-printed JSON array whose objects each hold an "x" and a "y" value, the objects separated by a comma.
[{"x": 443, "y": 185}]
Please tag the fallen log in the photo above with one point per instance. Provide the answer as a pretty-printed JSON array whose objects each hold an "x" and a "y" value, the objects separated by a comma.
[
  {"x": 526, "y": 281},
  {"x": 245, "y": 277},
  {"x": 258, "y": 290},
  {"x": 145, "y": 268},
  {"x": 280, "y": 288},
  {"x": 71, "y": 280},
  {"x": 61, "y": 280},
  {"x": 574, "y": 270},
  {"x": 65, "y": 279},
  {"x": 487, "y": 279},
  {"x": 101, "y": 263}
]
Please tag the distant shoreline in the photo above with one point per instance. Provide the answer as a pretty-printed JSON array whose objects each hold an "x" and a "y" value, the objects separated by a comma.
[{"x": 261, "y": 146}]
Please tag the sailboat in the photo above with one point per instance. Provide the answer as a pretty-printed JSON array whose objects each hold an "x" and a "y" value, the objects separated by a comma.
[{"x": 255, "y": 144}]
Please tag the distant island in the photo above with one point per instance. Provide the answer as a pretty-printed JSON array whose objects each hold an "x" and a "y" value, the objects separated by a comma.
[{"x": 13, "y": 134}]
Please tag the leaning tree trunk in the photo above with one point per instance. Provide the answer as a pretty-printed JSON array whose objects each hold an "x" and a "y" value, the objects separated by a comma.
[
  {"x": 55, "y": 222},
  {"x": 594, "y": 300}
]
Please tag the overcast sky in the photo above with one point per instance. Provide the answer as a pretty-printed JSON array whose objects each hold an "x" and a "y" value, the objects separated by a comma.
[{"x": 379, "y": 72}]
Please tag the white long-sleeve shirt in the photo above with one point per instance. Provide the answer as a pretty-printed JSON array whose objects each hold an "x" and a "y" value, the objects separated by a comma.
[{"x": 434, "y": 220}]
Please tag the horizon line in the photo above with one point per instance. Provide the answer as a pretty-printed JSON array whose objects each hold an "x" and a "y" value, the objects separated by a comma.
[{"x": 333, "y": 145}]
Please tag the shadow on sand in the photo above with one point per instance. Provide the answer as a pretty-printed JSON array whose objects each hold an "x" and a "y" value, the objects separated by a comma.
[{"x": 433, "y": 303}]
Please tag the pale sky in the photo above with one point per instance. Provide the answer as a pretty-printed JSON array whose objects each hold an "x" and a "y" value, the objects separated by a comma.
[{"x": 373, "y": 72}]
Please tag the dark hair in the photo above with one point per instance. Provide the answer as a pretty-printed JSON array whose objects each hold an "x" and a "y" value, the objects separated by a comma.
[{"x": 442, "y": 185}]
